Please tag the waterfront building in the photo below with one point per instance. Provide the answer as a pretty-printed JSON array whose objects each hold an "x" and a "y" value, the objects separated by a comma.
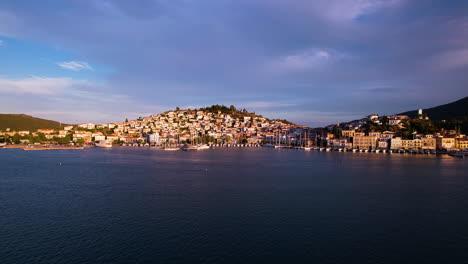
[
  {"x": 395, "y": 143},
  {"x": 99, "y": 137},
  {"x": 85, "y": 135},
  {"x": 365, "y": 142},
  {"x": 462, "y": 143},
  {"x": 428, "y": 143},
  {"x": 338, "y": 143},
  {"x": 445, "y": 143},
  {"x": 382, "y": 144},
  {"x": 153, "y": 138},
  {"x": 112, "y": 137},
  {"x": 411, "y": 143}
]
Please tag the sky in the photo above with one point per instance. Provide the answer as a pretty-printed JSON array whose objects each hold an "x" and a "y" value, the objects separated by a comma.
[{"x": 312, "y": 62}]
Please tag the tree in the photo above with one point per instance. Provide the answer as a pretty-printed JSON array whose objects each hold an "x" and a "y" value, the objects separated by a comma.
[
  {"x": 232, "y": 108},
  {"x": 16, "y": 138},
  {"x": 336, "y": 132},
  {"x": 126, "y": 120},
  {"x": 177, "y": 108},
  {"x": 80, "y": 141}
]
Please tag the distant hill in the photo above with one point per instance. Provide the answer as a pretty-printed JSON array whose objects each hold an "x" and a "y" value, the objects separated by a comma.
[
  {"x": 25, "y": 122},
  {"x": 455, "y": 110}
]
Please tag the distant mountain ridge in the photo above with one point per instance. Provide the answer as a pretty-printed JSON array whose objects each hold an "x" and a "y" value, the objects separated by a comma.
[
  {"x": 454, "y": 110},
  {"x": 17, "y": 122}
]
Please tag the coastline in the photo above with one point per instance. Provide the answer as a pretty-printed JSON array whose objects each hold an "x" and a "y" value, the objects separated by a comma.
[
  {"x": 217, "y": 146},
  {"x": 52, "y": 148}
]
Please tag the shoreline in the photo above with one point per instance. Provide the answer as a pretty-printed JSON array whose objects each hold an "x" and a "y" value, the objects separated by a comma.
[
  {"x": 217, "y": 146},
  {"x": 51, "y": 148}
]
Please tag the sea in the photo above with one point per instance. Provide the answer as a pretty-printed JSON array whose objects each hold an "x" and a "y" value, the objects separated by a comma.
[{"x": 231, "y": 205}]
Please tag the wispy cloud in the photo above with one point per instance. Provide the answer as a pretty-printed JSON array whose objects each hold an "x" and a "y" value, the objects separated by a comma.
[
  {"x": 39, "y": 85},
  {"x": 450, "y": 60},
  {"x": 75, "y": 65},
  {"x": 304, "y": 60},
  {"x": 70, "y": 100},
  {"x": 352, "y": 9}
]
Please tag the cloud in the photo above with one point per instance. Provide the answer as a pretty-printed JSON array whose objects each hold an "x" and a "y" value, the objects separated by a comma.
[
  {"x": 70, "y": 100},
  {"x": 75, "y": 65},
  {"x": 353, "y": 9},
  {"x": 39, "y": 85},
  {"x": 335, "y": 11},
  {"x": 305, "y": 60},
  {"x": 449, "y": 60},
  {"x": 179, "y": 53}
]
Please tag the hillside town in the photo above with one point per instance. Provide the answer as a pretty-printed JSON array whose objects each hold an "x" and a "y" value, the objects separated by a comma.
[{"x": 226, "y": 126}]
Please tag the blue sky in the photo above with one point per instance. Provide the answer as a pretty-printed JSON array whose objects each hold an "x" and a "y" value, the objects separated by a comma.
[{"x": 313, "y": 62}]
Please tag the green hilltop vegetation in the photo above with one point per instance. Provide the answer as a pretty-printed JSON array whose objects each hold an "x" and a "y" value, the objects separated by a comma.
[
  {"x": 231, "y": 110},
  {"x": 448, "y": 116},
  {"x": 17, "y": 122},
  {"x": 454, "y": 110}
]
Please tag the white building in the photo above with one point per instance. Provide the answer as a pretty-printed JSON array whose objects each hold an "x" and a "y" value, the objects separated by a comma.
[{"x": 153, "y": 138}]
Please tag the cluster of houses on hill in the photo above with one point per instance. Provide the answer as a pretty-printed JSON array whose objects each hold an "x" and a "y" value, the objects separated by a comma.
[
  {"x": 176, "y": 127},
  {"x": 186, "y": 126}
]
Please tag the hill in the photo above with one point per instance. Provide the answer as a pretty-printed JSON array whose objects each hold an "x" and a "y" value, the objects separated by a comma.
[
  {"x": 19, "y": 122},
  {"x": 454, "y": 110}
]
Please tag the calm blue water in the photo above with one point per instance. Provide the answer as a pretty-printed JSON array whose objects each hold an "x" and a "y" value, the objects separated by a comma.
[{"x": 128, "y": 205}]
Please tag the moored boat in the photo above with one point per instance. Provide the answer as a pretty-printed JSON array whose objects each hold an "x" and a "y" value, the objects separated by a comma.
[
  {"x": 171, "y": 148},
  {"x": 104, "y": 144},
  {"x": 195, "y": 147},
  {"x": 457, "y": 155}
]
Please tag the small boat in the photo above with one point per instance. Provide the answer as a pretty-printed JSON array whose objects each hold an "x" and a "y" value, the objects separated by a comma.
[
  {"x": 171, "y": 148},
  {"x": 457, "y": 155},
  {"x": 195, "y": 147},
  {"x": 104, "y": 144},
  {"x": 203, "y": 146},
  {"x": 2, "y": 144}
]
